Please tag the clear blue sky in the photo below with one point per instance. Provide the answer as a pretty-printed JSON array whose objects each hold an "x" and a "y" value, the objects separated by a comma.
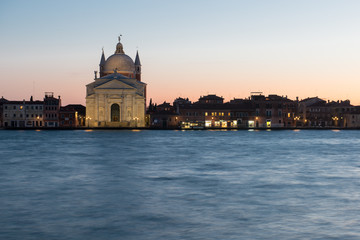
[{"x": 187, "y": 48}]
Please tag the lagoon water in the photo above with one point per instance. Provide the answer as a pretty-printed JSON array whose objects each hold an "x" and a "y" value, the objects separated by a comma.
[{"x": 179, "y": 185}]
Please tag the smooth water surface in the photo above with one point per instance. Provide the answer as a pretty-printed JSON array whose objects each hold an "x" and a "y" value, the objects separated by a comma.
[{"x": 179, "y": 185}]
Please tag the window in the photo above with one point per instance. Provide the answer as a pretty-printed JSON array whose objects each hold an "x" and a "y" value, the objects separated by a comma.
[
  {"x": 14, "y": 115},
  {"x": 268, "y": 123},
  {"x": 40, "y": 107},
  {"x": 5, "y": 107},
  {"x": 14, "y": 107},
  {"x": 6, "y": 115},
  {"x": 206, "y": 113},
  {"x": 36, "y": 107}
]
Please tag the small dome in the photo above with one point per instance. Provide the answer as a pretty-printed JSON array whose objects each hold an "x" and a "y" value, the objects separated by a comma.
[{"x": 121, "y": 62}]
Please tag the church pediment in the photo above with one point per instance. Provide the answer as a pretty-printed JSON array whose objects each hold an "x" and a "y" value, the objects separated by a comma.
[{"x": 114, "y": 84}]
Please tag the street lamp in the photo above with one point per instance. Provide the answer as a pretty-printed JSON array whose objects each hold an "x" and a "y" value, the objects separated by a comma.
[
  {"x": 88, "y": 120},
  {"x": 136, "y": 120}
]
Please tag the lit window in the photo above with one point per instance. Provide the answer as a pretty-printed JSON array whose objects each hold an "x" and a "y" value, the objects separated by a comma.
[
  {"x": 289, "y": 115},
  {"x": 207, "y": 123},
  {"x": 268, "y": 123},
  {"x": 229, "y": 114},
  {"x": 206, "y": 113},
  {"x": 234, "y": 123},
  {"x": 251, "y": 124},
  {"x": 21, "y": 107}
]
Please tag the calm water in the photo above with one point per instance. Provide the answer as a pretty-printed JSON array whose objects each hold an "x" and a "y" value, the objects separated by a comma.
[{"x": 179, "y": 185}]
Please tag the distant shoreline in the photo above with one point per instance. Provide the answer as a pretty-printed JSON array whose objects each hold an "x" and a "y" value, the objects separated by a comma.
[{"x": 187, "y": 129}]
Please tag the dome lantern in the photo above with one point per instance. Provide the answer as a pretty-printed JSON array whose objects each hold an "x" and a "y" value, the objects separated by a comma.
[{"x": 119, "y": 47}]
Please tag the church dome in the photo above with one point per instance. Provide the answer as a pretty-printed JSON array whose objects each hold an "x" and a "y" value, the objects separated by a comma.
[{"x": 119, "y": 61}]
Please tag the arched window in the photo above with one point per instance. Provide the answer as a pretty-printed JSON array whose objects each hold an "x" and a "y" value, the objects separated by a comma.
[{"x": 115, "y": 113}]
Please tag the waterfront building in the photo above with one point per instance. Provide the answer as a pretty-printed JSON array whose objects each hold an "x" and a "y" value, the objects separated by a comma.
[
  {"x": 257, "y": 111},
  {"x": 2, "y": 101},
  {"x": 352, "y": 118},
  {"x": 118, "y": 97},
  {"x": 72, "y": 116},
  {"x": 316, "y": 112},
  {"x": 163, "y": 116},
  {"x": 51, "y": 110},
  {"x": 211, "y": 112},
  {"x": 22, "y": 114},
  {"x": 274, "y": 111}
]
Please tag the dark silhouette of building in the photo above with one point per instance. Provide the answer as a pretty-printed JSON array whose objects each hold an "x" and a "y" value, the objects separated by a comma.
[{"x": 72, "y": 116}]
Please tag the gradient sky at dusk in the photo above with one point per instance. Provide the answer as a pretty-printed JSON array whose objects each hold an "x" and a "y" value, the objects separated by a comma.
[{"x": 187, "y": 48}]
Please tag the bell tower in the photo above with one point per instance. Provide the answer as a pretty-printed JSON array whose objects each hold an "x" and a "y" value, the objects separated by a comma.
[{"x": 137, "y": 67}]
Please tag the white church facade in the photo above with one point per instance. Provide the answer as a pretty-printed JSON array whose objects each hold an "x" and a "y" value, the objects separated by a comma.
[{"x": 117, "y": 98}]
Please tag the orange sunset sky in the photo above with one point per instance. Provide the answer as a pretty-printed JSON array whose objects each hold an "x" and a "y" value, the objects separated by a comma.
[{"x": 187, "y": 48}]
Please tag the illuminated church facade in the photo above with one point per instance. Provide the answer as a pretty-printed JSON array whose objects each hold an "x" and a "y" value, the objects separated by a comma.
[{"x": 117, "y": 98}]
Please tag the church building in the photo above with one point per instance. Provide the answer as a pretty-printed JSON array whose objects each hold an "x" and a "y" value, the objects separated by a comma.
[{"x": 118, "y": 97}]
